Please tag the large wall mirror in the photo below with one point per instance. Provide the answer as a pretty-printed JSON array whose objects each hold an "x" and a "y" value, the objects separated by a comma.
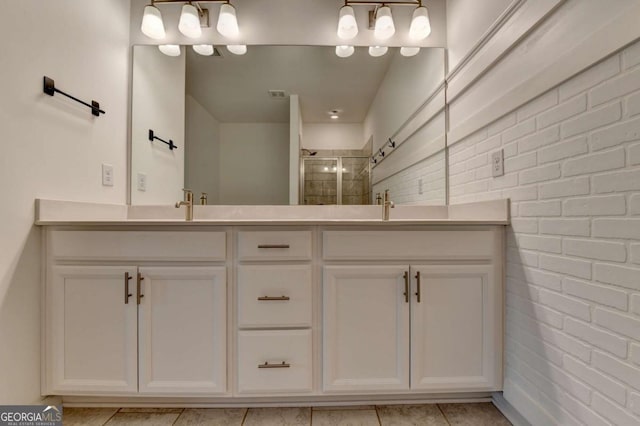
[{"x": 283, "y": 124}]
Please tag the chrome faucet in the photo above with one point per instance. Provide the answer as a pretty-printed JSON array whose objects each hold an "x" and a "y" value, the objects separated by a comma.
[
  {"x": 188, "y": 203},
  {"x": 386, "y": 205}
]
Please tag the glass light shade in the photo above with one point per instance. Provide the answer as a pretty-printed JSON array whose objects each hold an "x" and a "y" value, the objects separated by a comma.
[
  {"x": 227, "y": 21},
  {"x": 384, "y": 27},
  {"x": 170, "y": 49},
  {"x": 152, "y": 25},
  {"x": 344, "y": 51},
  {"x": 420, "y": 26},
  {"x": 203, "y": 49},
  {"x": 237, "y": 49},
  {"x": 409, "y": 51},
  {"x": 347, "y": 25},
  {"x": 376, "y": 51},
  {"x": 189, "y": 24}
]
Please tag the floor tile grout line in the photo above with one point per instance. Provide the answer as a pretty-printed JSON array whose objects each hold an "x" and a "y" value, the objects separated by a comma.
[
  {"x": 375, "y": 407},
  {"x": 112, "y": 416},
  {"x": 446, "y": 419},
  {"x": 246, "y": 412},
  {"x": 180, "y": 414}
]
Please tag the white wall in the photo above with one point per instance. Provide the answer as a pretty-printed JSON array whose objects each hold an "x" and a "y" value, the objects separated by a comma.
[
  {"x": 202, "y": 151},
  {"x": 573, "y": 250},
  {"x": 158, "y": 103},
  {"x": 333, "y": 136},
  {"x": 53, "y": 148},
  {"x": 470, "y": 19},
  {"x": 255, "y": 169}
]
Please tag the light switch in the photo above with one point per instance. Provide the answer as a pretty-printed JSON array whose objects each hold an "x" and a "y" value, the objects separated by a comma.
[{"x": 107, "y": 174}]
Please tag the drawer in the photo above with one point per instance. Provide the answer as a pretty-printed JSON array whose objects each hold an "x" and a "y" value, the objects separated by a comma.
[
  {"x": 138, "y": 245},
  {"x": 274, "y": 361},
  {"x": 274, "y": 245},
  {"x": 274, "y": 296},
  {"x": 410, "y": 245}
]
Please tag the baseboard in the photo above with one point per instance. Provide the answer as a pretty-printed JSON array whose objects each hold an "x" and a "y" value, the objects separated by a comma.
[
  {"x": 48, "y": 400},
  {"x": 508, "y": 410}
]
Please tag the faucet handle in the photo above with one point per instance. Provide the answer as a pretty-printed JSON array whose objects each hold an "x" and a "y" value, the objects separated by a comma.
[{"x": 188, "y": 194}]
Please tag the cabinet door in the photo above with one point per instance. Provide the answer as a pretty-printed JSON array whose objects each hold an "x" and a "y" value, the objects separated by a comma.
[
  {"x": 454, "y": 328},
  {"x": 366, "y": 328},
  {"x": 92, "y": 333},
  {"x": 182, "y": 326}
]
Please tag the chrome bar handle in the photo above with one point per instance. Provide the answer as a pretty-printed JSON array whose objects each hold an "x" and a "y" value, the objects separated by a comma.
[
  {"x": 418, "y": 292},
  {"x": 273, "y": 246},
  {"x": 127, "y": 295},
  {"x": 139, "y": 295},
  {"x": 274, "y": 298},
  {"x": 406, "y": 286},
  {"x": 267, "y": 365}
]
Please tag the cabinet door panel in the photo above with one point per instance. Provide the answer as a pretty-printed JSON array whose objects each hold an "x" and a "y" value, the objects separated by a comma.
[
  {"x": 453, "y": 328},
  {"x": 182, "y": 323},
  {"x": 92, "y": 335},
  {"x": 366, "y": 328}
]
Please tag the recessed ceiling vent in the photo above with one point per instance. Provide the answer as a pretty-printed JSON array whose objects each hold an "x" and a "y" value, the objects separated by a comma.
[{"x": 277, "y": 94}]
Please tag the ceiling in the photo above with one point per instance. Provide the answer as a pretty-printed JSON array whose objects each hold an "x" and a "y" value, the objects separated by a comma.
[{"x": 235, "y": 88}]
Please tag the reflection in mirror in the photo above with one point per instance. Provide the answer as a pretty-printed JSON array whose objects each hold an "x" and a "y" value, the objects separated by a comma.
[{"x": 246, "y": 126}]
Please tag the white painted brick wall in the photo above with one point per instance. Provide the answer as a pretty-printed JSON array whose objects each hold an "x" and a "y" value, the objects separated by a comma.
[{"x": 573, "y": 255}]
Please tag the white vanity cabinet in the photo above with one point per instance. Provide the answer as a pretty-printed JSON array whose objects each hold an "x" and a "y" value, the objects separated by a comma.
[
  {"x": 133, "y": 329},
  {"x": 431, "y": 324}
]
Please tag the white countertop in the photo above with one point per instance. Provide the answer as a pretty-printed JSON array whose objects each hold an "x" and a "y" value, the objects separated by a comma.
[{"x": 57, "y": 212}]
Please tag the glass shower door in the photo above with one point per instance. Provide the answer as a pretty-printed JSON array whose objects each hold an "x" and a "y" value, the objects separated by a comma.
[
  {"x": 355, "y": 180},
  {"x": 320, "y": 181}
]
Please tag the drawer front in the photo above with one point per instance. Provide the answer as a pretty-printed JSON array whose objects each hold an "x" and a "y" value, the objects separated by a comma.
[
  {"x": 409, "y": 245},
  {"x": 291, "y": 347},
  {"x": 138, "y": 245},
  {"x": 274, "y": 296},
  {"x": 274, "y": 245}
]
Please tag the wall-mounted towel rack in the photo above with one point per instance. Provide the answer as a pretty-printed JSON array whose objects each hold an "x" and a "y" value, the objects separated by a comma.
[
  {"x": 172, "y": 146},
  {"x": 49, "y": 87}
]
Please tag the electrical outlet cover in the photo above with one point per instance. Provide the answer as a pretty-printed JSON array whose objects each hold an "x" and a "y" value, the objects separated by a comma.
[
  {"x": 142, "y": 182},
  {"x": 107, "y": 174},
  {"x": 497, "y": 163}
]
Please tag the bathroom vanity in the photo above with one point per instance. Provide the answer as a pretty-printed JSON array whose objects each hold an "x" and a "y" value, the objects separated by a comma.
[{"x": 271, "y": 304}]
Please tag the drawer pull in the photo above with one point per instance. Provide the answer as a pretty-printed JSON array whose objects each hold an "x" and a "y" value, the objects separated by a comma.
[
  {"x": 273, "y": 246},
  {"x": 274, "y": 298},
  {"x": 267, "y": 365}
]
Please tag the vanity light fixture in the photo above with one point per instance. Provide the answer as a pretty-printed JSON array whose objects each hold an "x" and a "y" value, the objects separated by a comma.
[
  {"x": 420, "y": 26},
  {"x": 384, "y": 27},
  {"x": 203, "y": 49},
  {"x": 237, "y": 49},
  {"x": 344, "y": 51},
  {"x": 152, "y": 25},
  {"x": 377, "y": 51},
  {"x": 170, "y": 49},
  {"x": 409, "y": 51},
  {"x": 227, "y": 21},
  {"x": 189, "y": 23},
  {"x": 192, "y": 19},
  {"x": 347, "y": 25}
]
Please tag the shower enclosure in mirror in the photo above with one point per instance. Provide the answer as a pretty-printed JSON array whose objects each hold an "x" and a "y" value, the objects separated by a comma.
[
  {"x": 339, "y": 180},
  {"x": 244, "y": 125}
]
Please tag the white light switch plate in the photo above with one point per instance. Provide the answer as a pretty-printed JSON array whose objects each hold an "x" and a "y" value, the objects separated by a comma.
[
  {"x": 142, "y": 182},
  {"x": 420, "y": 186},
  {"x": 107, "y": 174},
  {"x": 497, "y": 163}
]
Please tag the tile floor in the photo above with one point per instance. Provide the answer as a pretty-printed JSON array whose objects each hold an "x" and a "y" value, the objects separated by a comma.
[{"x": 478, "y": 414}]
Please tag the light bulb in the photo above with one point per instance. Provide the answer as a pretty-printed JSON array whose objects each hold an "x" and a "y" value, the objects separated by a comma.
[
  {"x": 203, "y": 49},
  {"x": 376, "y": 51},
  {"x": 326, "y": 169},
  {"x": 420, "y": 26},
  {"x": 334, "y": 116},
  {"x": 152, "y": 25},
  {"x": 170, "y": 49},
  {"x": 347, "y": 25},
  {"x": 227, "y": 21},
  {"x": 344, "y": 51},
  {"x": 237, "y": 49},
  {"x": 384, "y": 27},
  {"x": 189, "y": 24},
  {"x": 409, "y": 51}
]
